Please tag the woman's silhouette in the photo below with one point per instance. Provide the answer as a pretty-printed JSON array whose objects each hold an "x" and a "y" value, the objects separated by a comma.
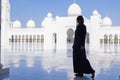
[{"x": 81, "y": 64}]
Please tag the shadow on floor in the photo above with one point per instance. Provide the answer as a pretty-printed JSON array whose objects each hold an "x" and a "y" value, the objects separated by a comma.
[
  {"x": 4, "y": 77},
  {"x": 82, "y": 78}
]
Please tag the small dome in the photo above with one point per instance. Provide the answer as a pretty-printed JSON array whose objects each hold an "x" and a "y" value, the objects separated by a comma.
[
  {"x": 57, "y": 17},
  {"x": 31, "y": 24},
  {"x": 17, "y": 24},
  {"x": 107, "y": 21},
  {"x": 74, "y": 10},
  {"x": 49, "y": 15},
  {"x": 95, "y": 12}
]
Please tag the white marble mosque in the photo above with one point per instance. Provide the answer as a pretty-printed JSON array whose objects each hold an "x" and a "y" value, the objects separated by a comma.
[{"x": 59, "y": 30}]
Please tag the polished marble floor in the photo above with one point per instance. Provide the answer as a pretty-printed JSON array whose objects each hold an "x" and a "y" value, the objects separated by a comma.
[{"x": 32, "y": 62}]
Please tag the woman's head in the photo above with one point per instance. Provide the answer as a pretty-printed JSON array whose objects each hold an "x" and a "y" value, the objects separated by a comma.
[{"x": 80, "y": 20}]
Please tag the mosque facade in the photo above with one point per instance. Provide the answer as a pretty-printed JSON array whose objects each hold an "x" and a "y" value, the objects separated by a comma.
[{"x": 58, "y": 30}]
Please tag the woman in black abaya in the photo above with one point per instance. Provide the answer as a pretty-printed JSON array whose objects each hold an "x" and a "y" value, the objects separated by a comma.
[{"x": 81, "y": 64}]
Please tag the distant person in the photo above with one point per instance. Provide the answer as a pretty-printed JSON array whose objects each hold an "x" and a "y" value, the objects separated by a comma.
[{"x": 81, "y": 64}]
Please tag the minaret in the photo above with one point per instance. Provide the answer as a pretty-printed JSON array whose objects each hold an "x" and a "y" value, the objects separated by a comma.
[
  {"x": 5, "y": 19},
  {"x": 5, "y": 22}
]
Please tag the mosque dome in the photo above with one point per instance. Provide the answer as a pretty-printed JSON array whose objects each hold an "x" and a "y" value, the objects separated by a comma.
[
  {"x": 95, "y": 12},
  {"x": 17, "y": 24},
  {"x": 31, "y": 24},
  {"x": 107, "y": 21},
  {"x": 49, "y": 15},
  {"x": 74, "y": 10},
  {"x": 57, "y": 17}
]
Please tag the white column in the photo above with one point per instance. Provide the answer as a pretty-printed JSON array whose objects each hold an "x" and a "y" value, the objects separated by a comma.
[
  {"x": 61, "y": 38},
  {"x": 47, "y": 39},
  {"x": 94, "y": 33},
  {"x": 5, "y": 20}
]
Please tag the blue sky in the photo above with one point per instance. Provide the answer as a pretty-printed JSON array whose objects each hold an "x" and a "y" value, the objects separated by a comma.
[{"x": 24, "y": 10}]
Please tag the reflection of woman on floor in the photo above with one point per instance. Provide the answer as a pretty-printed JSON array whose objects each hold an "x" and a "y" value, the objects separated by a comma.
[{"x": 81, "y": 64}]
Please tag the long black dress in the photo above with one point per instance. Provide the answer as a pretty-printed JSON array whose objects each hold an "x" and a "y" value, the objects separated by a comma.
[{"x": 80, "y": 62}]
